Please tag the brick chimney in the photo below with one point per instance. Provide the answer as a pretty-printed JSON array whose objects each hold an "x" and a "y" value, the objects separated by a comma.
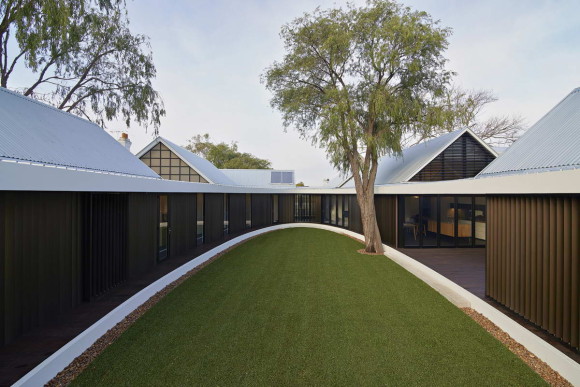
[{"x": 124, "y": 140}]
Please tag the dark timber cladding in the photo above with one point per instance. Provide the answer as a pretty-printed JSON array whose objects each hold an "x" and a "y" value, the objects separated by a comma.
[
  {"x": 355, "y": 219},
  {"x": 261, "y": 210},
  {"x": 533, "y": 260},
  {"x": 40, "y": 258},
  {"x": 466, "y": 157},
  {"x": 213, "y": 217},
  {"x": 104, "y": 233},
  {"x": 286, "y": 211},
  {"x": 142, "y": 223},
  {"x": 237, "y": 212},
  {"x": 182, "y": 222},
  {"x": 386, "y": 210}
]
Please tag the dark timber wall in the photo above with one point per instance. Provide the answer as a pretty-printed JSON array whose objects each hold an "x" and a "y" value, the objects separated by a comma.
[
  {"x": 142, "y": 223},
  {"x": 316, "y": 209},
  {"x": 533, "y": 260},
  {"x": 386, "y": 210},
  {"x": 261, "y": 210},
  {"x": 182, "y": 223},
  {"x": 213, "y": 217},
  {"x": 104, "y": 231},
  {"x": 237, "y": 212},
  {"x": 286, "y": 209},
  {"x": 40, "y": 258}
]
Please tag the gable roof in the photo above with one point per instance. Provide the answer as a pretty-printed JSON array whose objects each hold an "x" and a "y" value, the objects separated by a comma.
[
  {"x": 34, "y": 132},
  {"x": 401, "y": 169},
  {"x": 552, "y": 143},
  {"x": 205, "y": 168}
]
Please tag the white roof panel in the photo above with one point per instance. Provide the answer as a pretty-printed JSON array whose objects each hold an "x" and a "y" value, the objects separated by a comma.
[
  {"x": 256, "y": 177},
  {"x": 31, "y": 131},
  {"x": 552, "y": 143}
]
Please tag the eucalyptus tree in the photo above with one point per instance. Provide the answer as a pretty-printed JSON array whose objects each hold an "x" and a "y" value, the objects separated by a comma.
[
  {"x": 356, "y": 81},
  {"x": 81, "y": 57}
]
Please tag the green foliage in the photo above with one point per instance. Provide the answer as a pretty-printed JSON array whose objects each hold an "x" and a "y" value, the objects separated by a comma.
[
  {"x": 225, "y": 156},
  {"x": 299, "y": 307},
  {"x": 84, "y": 58},
  {"x": 355, "y": 81}
]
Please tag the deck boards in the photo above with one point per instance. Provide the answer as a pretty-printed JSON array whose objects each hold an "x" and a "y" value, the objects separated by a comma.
[{"x": 464, "y": 266}]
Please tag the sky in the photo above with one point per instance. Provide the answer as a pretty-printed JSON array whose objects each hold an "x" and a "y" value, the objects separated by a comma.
[{"x": 210, "y": 54}]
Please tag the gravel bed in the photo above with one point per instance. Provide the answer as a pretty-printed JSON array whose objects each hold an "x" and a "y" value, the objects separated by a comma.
[{"x": 545, "y": 371}]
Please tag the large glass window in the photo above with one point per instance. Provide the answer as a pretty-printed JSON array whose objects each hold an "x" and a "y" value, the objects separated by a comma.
[
  {"x": 445, "y": 221},
  {"x": 325, "y": 209},
  {"x": 333, "y": 209},
  {"x": 428, "y": 226},
  {"x": 411, "y": 223},
  {"x": 339, "y": 213},
  {"x": 480, "y": 221},
  {"x": 447, "y": 224},
  {"x": 199, "y": 218},
  {"x": 163, "y": 227},
  {"x": 464, "y": 220}
]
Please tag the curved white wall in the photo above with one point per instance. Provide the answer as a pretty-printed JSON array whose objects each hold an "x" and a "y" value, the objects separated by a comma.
[{"x": 49, "y": 368}]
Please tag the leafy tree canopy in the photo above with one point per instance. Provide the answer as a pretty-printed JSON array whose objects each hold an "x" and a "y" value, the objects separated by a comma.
[
  {"x": 225, "y": 156},
  {"x": 464, "y": 111},
  {"x": 82, "y": 57},
  {"x": 356, "y": 81}
]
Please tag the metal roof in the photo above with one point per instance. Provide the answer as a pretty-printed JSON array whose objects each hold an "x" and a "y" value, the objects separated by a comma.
[
  {"x": 31, "y": 131},
  {"x": 205, "y": 168},
  {"x": 399, "y": 169},
  {"x": 256, "y": 177},
  {"x": 552, "y": 143}
]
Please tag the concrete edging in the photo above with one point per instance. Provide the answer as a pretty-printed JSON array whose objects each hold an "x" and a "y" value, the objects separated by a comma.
[{"x": 460, "y": 297}]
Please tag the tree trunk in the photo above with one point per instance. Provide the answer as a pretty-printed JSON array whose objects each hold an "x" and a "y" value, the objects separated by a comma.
[{"x": 366, "y": 201}]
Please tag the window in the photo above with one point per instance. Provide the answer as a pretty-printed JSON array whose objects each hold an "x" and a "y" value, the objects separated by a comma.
[
  {"x": 226, "y": 214},
  {"x": 275, "y": 217},
  {"x": 278, "y": 177},
  {"x": 163, "y": 227},
  {"x": 199, "y": 218},
  {"x": 170, "y": 166},
  {"x": 345, "y": 210},
  {"x": 248, "y": 210}
]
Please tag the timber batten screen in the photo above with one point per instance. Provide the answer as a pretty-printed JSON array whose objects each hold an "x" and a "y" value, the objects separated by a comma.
[
  {"x": 465, "y": 158},
  {"x": 533, "y": 260}
]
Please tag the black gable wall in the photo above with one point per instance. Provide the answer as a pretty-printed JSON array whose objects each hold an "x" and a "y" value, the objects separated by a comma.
[{"x": 465, "y": 158}]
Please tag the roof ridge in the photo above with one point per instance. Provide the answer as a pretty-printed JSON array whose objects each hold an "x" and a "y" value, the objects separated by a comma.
[{"x": 46, "y": 105}]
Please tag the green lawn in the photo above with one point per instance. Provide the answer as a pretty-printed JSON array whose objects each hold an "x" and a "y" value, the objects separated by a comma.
[{"x": 302, "y": 307}]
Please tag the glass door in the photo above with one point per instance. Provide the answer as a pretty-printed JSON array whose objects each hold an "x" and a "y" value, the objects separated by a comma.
[{"x": 163, "y": 251}]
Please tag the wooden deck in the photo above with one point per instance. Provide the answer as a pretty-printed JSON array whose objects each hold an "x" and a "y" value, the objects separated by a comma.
[{"x": 465, "y": 267}]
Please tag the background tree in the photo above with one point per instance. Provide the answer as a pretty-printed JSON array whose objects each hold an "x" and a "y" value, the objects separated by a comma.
[
  {"x": 83, "y": 59},
  {"x": 355, "y": 81},
  {"x": 464, "y": 108},
  {"x": 225, "y": 156}
]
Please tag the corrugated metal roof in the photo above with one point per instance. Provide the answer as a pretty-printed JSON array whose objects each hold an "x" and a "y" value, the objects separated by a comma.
[
  {"x": 256, "y": 177},
  {"x": 32, "y": 131},
  {"x": 552, "y": 143},
  {"x": 205, "y": 168},
  {"x": 400, "y": 169}
]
